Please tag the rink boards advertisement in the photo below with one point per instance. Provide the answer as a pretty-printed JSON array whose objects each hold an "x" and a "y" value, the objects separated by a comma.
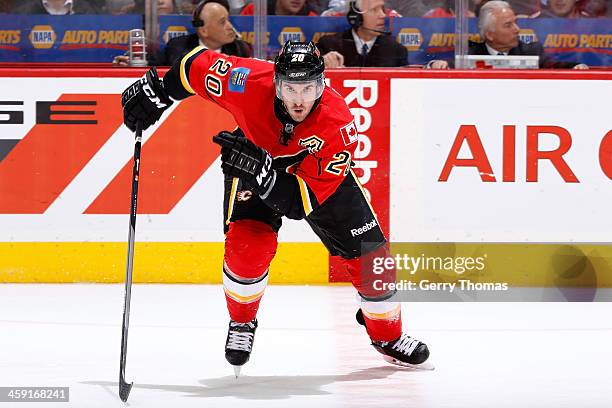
[
  {"x": 76, "y": 38},
  {"x": 443, "y": 157},
  {"x": 512, "y": 176},
  {"x": 99, "y": 38}
]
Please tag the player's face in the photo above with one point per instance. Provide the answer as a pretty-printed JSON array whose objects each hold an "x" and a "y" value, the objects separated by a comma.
[
  {"x": 505, "y": 33},
  {"x": 299, "y": 98}
]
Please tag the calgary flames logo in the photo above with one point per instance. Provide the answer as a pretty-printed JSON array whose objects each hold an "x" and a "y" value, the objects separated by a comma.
[
  {"x": 244, "y": 195},
  {"x": 312, "y": 143}
]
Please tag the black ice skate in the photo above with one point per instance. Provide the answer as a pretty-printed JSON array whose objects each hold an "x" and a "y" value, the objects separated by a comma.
[
  {"x": 239, "y": 343},
  {"x": 404, "y": 351}
]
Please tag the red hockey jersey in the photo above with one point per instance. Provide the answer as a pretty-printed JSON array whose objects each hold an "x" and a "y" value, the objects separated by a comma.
[{"x": 245, "y": 88}]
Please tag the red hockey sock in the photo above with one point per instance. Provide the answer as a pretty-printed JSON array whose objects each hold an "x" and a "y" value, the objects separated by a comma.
[
  {"x": 250, "y": 246},
  {"x": 383, "y": 320}
]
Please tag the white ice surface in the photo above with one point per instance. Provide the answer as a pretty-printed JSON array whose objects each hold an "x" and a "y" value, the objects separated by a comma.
[{"x": 308, "y": 352}]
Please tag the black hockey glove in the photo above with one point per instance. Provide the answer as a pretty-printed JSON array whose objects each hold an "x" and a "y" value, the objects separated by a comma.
[
  {"x": 243, "y": 159},
  {"x": 144, "y": 101}
]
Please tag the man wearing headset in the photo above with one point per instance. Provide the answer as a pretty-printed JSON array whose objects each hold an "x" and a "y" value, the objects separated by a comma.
[
  {"x": 213, "y": 31},
  {"x": 367, "y": 43}
]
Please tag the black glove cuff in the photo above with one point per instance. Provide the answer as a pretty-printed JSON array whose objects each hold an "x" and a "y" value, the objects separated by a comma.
[{"x": 157, "y": 87}]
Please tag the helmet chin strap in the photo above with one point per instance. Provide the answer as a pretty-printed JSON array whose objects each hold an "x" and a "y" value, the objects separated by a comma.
[
  {"x": 286, "y": 109},
  {"x": 282, "y": 114},
  {"x": 287, "y": 130}
]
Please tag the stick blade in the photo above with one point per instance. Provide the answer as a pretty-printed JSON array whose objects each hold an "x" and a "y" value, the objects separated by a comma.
[{"x": 124, "y": 390}]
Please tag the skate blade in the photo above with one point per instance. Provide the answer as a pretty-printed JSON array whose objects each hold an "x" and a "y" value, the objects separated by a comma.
[
  {"x": 426, "y": 366},
  {"x": 237, "y": 370}
]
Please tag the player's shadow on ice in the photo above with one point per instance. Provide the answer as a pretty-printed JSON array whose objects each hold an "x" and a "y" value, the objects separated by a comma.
[{"x": 264, "y": 387}]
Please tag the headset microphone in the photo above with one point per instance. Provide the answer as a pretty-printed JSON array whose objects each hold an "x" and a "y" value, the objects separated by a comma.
[{"x": 377, "y": 31}]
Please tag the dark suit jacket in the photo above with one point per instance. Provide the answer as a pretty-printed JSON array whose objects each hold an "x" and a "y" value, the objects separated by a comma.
[
  {"x": 179, "y": 46},
  {"x": 534, "y": 48},
  {"x": 36, "y": 7},
  {"x": 385, "y": 52}
]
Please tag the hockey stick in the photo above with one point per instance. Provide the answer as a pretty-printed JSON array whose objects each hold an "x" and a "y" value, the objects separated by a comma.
[{"x": 125, "y": 388}]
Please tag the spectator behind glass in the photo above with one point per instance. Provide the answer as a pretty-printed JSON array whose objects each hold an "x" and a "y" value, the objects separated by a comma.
[
  {"x": 236, "y": 6},
  {"x": 339, "y": 8},
  {"x": 525, "y": 8},
  {"x": 138, "y": 6},
  {"x": 561, "y": 8},
  {"x": 413, "y": 8},
  {"x": 283, "y": 8},
  {"x": 185, "y": 6},
  {"x": 213, "y": 30},
  {"x": 189, "y": 6},
  {"x": 57, "y": 7},
  {"x": 6, "y": 6},
  {"x": 318, "y": 6},
  {"x": 522, "y": 8},
  {"x": 595, "y": 8},
  {"x": 367, "y": 43},
  {"x": 118, "y": 6},
  {"x": 446, "y": 10}
]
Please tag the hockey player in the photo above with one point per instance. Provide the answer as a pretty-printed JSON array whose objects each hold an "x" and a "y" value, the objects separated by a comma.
[{"x": 290, "y": 156}]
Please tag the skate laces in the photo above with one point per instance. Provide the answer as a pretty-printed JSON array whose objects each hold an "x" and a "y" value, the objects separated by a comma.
[
  {"x": 405, "y": 344},
  {"x": 240, "y": 340}
]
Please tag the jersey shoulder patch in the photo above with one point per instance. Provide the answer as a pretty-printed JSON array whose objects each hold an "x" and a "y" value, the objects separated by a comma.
[
  {"x": 349, "y": 133},
  {"x": 238, "y": 78}
]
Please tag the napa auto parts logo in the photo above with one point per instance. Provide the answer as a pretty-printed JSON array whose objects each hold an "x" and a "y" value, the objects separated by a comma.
[
  {"x": 42, "y": 37},
  {"x": 411, "y": 38},
  {"x": 527, "y": 35},
  {"x": 291, "y": 34},
  {"x": 173, "y": 32}
]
